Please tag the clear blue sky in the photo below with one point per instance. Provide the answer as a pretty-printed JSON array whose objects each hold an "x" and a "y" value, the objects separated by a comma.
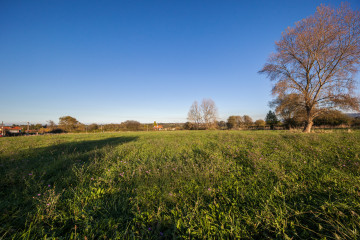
[{"x": 111, "y": 61}]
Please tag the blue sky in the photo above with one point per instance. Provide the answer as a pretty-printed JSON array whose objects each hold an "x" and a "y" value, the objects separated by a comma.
[{"x": 111, "y": 61}]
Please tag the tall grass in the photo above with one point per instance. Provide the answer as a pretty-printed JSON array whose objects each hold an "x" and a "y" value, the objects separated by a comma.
[{"x": 188, "y": 184}]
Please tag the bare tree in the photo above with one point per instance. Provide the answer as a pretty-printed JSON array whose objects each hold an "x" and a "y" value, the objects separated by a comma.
[
  {"x": 205, "y": 114},
  {"x": 209, "y": 112},
  {"x": 317, "y": 60},
  {"x": 194, "y": 115}
]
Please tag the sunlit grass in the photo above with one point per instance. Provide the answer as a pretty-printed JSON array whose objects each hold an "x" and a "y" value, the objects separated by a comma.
[{"x": 186, "y": 184}]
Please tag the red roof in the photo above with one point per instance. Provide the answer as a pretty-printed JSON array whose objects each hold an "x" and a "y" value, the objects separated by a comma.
[{"x": 12, "y": 128}]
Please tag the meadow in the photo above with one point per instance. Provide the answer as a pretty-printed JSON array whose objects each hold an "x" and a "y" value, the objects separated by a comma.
[{"x": 181, "y": 185}]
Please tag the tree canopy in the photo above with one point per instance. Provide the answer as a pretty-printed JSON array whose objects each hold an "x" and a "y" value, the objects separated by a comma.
[
  {"x": 68, "y": 123},
  {"x": 271, "y": 119},
  {"x": 234, "y": 122}
]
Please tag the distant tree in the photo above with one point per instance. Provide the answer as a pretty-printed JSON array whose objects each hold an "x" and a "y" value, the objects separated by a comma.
[
  {"x": 37, "y": 126},
  {"x": 271, "y": 119},
  {"x": 221, "y": 124},
  {"x": 231, "y": 122},
  {"x": 80, "y": 127},
  {"x": 247, "y": 120},
  {"x": 317, "y": 59},
  {"x": 132, "y": 125},
  {"x": 209, "y": 113},
  {"x": 68, "y": 123},
  {"x": 188, "y": 126},
  {"x": 44, "y": 130},
  {"x": 289, "y": 108},
  {"x": 205, "y": 114},
  {"x": 234, "y": 122},
  {"x": 194, "y": 115},
  {"x": 112, "y": 127},
  {"x": 260, "y": 123},
  {"x": 355, "y": 122},
  {"x": 332, "y": 118},
  {"x": 51, "y": 125},
  {"x": 93, "y": 127}
]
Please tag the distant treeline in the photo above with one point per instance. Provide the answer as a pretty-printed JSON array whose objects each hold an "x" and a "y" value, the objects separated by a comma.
[
  {"x": 68, "y": 124},
  {"x": 329, "y": 119}
]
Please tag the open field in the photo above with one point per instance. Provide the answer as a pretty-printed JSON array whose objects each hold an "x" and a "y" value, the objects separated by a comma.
[{"x": 164, "y": 185}]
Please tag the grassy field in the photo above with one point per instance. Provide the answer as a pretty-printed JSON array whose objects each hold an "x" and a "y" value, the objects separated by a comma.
[{"x": 186, "y": 184}]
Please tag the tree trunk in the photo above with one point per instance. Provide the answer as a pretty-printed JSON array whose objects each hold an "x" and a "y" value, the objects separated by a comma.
[
  {"x": 309, "y": 120},
  {"x": 308, "y": 126}
]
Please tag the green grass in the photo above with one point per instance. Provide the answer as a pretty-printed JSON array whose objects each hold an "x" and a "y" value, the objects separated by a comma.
[{"x": 186, "y": 184}]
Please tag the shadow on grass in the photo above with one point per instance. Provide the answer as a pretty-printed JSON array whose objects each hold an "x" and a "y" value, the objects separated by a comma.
[
  {"x": 62, "y": 148},
  {"x": 51, "y": 163},
  {"x": 28, "y": 172}
]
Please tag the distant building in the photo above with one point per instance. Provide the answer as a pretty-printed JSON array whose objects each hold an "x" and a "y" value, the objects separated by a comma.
[
  {"x": 158, "y": 127},
  {"x": 10, "y": 131}
]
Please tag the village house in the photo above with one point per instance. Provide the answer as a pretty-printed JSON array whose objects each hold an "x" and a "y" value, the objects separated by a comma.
[
  {"x": 10, "y": 131},
  {"x": 158, "y": 127}
]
